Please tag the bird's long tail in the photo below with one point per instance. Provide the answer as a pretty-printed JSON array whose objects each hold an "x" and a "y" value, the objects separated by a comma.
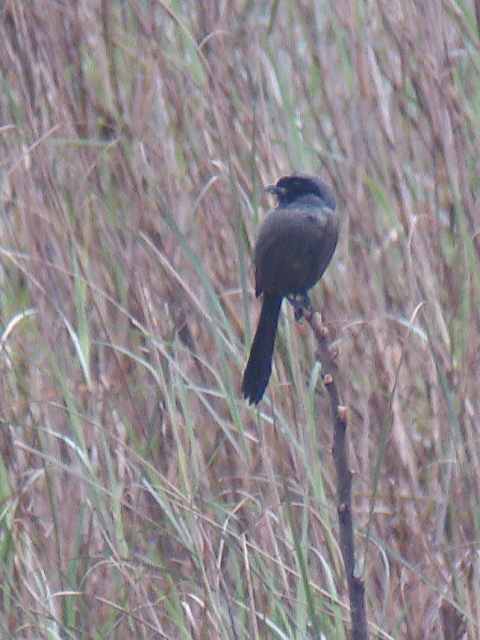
[{"x": 259, "y": 365}]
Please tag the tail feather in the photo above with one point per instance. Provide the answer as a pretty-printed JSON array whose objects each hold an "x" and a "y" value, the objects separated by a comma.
[{"x": 259, "y": 365}]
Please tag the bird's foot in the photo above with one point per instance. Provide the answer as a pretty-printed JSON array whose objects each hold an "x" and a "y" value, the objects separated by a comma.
[{"x": 301, "y": 304}]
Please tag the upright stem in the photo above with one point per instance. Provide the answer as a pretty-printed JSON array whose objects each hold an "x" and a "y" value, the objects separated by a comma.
[{"x": 356, "y": 587}]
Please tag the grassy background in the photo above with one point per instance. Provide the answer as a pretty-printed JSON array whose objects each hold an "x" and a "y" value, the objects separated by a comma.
[{"x": 139, "y": 495}]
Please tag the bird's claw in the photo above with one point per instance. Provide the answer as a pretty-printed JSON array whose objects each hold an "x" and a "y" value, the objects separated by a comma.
[{"x": 300, "y": 303}]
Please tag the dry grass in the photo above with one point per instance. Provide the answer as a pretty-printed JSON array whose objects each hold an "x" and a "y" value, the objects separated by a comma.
[{"x": 139, "y": 496}]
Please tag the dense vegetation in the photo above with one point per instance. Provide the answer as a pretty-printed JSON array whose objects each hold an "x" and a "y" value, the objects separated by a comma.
[{"x": 139, "y": 496}]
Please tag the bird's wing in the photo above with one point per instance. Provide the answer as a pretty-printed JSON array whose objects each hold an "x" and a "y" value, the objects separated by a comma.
[{"x": 293, "y": 249}]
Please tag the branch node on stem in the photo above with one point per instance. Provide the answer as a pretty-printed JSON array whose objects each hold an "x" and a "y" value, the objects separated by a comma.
[
  {"x": 327, "y": 379},
  {"x": 342, "y": 412}
]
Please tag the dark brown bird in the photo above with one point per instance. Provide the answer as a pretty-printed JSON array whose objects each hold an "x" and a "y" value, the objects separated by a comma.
[{"x": 295, "y": 244}]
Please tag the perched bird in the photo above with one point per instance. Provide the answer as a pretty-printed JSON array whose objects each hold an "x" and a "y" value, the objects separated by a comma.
[{"x": 295, "y": 244}]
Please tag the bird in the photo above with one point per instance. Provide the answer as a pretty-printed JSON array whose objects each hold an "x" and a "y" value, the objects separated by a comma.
[{"x": 294, "y": 246}]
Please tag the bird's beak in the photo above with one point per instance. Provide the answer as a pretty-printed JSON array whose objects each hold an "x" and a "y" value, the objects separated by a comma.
[{"x": 274, "y": 190}]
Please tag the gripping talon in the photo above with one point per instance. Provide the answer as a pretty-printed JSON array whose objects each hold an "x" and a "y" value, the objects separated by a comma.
[{"x": 300, "y": 303}]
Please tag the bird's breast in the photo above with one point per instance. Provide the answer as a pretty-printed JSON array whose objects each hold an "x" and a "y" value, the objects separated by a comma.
[{"x": 294, "y": 247}]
